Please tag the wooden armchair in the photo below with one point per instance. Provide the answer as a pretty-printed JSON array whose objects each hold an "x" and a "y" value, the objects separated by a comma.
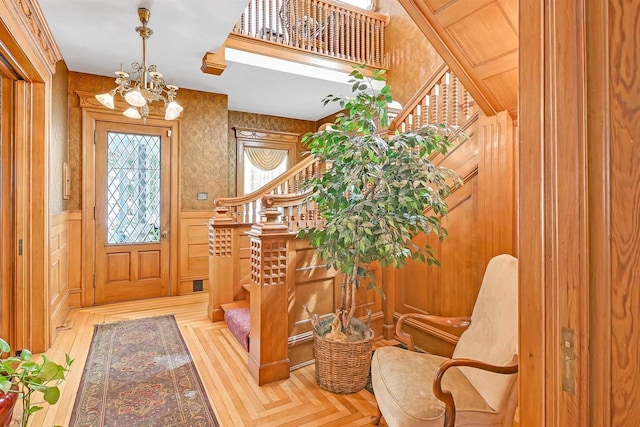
[{"x": 481, "y": 383}]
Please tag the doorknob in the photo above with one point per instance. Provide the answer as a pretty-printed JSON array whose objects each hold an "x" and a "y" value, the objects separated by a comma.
[{"x": 164, "y": 233}]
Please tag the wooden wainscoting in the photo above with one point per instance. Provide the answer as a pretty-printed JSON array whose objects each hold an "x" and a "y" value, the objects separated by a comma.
[
  {"x": 74, "y": 227},
  {"x": 193, "y": 255},
  {"x": 319, "y": 287},
  {"x": 58, "y": 271}
]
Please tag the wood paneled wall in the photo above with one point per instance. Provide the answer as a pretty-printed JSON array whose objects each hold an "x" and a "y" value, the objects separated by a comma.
[
  {"x": 193, "y": 255},
  {"x": 319, "y": 288},
  {"x": 74, "y": 229},
  {"x": 58, "y": 271},
  {"x": 481, "y": 224}
]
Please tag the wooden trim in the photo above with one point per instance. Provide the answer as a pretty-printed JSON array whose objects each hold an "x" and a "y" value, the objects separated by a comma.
[
  {"x": 554, "y": 228},
  {"x": 7, "y": 209},
  {"x": 31, "y": 17},
  {"x": 384, "y": 17},
  {"x": 214, "y": 62},
  {"x": 289, "y": 53},
  {"x": 263, "y": 139},
  {"x": 532, "y": 274},
  {"x": 91, "y": 113},
  {"x": 599, "y": 157}
]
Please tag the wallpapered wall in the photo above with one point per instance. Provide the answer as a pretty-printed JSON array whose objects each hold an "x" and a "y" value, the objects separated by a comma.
[
  {"x": 261, "y": 121},
  {"x": 412, "y": 59},
  {"x": 203, "y": 150},
  {"x": 59, "y": 146},
  {"x": 208, "y": 150}
]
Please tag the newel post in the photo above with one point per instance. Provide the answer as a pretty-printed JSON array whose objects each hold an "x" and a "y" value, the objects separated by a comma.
[
  {"x": 271, "y": 272},
  {"x": 221, "y": 259}
]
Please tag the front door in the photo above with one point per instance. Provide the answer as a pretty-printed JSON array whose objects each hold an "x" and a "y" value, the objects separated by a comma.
[{"x": 132, "y": 212}]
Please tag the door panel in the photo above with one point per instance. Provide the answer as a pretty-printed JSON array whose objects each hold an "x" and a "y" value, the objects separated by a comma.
[{"x": 132, "y": 212}]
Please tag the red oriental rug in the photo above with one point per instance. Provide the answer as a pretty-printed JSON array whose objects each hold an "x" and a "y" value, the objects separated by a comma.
[{"x": 140, "y": 373}]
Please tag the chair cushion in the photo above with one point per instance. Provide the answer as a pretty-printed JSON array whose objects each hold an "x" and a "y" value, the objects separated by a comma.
[
  {"x": 397, "y": 372},
  {"x": 492, "y": 336}
]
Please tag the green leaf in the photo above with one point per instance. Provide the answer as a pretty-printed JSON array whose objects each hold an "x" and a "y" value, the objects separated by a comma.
[
  {"x": 52, "y": 395},
  {"x": 4, "y": 346},
  {"x": 5, "y": 385}
]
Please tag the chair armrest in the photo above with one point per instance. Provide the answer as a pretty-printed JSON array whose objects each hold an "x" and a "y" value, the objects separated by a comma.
[
  {"x": 451, "y": 322},
  {"x": 446, "y": 396}
]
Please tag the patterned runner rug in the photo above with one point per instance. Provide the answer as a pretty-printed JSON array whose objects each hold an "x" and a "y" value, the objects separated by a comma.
[{"x": 140, "y": 373}]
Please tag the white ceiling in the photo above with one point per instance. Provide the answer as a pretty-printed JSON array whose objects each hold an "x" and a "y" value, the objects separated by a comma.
[{"x": 96, "y": 36}]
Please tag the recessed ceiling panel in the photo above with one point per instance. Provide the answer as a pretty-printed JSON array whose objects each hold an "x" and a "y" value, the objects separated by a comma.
[
  {"x": 504, "y": 86},
  {"x": 484, "y": 35}
]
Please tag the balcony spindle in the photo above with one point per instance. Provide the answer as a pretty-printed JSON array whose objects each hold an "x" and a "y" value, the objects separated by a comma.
[
  {"x": 454, "y": 100},
  {"x": 467, "y": 104},
  {"x": 341, "y": 30},
  {"x": 445, "y": 99}
]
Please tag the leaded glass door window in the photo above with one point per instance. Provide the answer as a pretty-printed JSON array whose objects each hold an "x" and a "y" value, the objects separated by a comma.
[{"x": 133, "y": 188}]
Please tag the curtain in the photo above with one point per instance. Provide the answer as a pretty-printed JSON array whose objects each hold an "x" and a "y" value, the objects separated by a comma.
[{"x": 265, "y": 158}]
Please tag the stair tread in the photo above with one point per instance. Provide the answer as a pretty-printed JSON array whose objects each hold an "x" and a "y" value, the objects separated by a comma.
[
  {"x": 247, "y": 287},
  {"x": 235, "y": 305}
]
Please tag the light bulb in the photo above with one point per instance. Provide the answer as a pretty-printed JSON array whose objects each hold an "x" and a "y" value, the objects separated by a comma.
[
  {"x": 132, "y": 113},
  {"x": 135, "y": 98},
  {"x": 172, "y": 111},
  {"x": 106, "y": 99}
]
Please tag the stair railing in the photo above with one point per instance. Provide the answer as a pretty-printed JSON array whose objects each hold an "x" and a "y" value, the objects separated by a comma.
[
  {"x": 442, "y": 99},
  {"x": 229, "y": 245},
  {"x": 246, "y": 209}
]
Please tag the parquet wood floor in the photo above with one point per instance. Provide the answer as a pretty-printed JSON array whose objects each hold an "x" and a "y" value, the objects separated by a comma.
[{"x": 221, "y": 362}]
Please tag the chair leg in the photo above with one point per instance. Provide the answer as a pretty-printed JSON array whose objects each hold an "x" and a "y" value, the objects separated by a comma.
[{"x": 375, "y": 419}]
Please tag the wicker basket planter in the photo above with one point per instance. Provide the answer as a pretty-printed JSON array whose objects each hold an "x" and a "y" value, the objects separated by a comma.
[{"x": 342, "y": 367}]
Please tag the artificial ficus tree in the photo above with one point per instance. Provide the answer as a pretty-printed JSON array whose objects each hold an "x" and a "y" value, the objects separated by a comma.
[{"x": 377, "y": 191}]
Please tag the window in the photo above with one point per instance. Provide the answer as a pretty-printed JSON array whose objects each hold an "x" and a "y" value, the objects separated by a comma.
[
  {"x": 262, "y": 156},
  {"x": 262, "y": 165}
]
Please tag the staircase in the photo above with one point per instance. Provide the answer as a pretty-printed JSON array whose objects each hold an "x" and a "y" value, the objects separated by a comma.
[{"x": 261, "y": 275}]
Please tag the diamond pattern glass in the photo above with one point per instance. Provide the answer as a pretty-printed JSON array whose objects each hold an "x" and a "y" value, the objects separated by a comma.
[{"x": 133, "y": 188}]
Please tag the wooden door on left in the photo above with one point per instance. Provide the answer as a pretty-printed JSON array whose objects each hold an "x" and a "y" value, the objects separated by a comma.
[{"x": 132, "y": 211}]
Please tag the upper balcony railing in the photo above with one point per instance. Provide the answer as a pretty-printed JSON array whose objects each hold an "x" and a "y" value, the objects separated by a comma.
[{"x": 323, "y": 27}]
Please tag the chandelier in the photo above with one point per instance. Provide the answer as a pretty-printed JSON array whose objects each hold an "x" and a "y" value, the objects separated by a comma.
[{"x": 146, "y": 85}]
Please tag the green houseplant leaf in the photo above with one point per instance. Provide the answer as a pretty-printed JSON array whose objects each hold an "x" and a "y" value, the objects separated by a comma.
[
  {"x": 377, "y": 191},
  {"x": 28, "y": 376}
]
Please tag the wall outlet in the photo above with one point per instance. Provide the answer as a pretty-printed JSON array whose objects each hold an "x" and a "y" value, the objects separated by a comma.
[{"x": 202, "y": 195}]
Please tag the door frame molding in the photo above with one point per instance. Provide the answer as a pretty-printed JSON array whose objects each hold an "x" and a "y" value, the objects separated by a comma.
[
  {"x": 92, "y": 112},
  {"x": 28, "y": 47}
]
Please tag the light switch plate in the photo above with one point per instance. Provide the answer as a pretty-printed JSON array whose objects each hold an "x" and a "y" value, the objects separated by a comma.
[{"x": 202, "y": 195}]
